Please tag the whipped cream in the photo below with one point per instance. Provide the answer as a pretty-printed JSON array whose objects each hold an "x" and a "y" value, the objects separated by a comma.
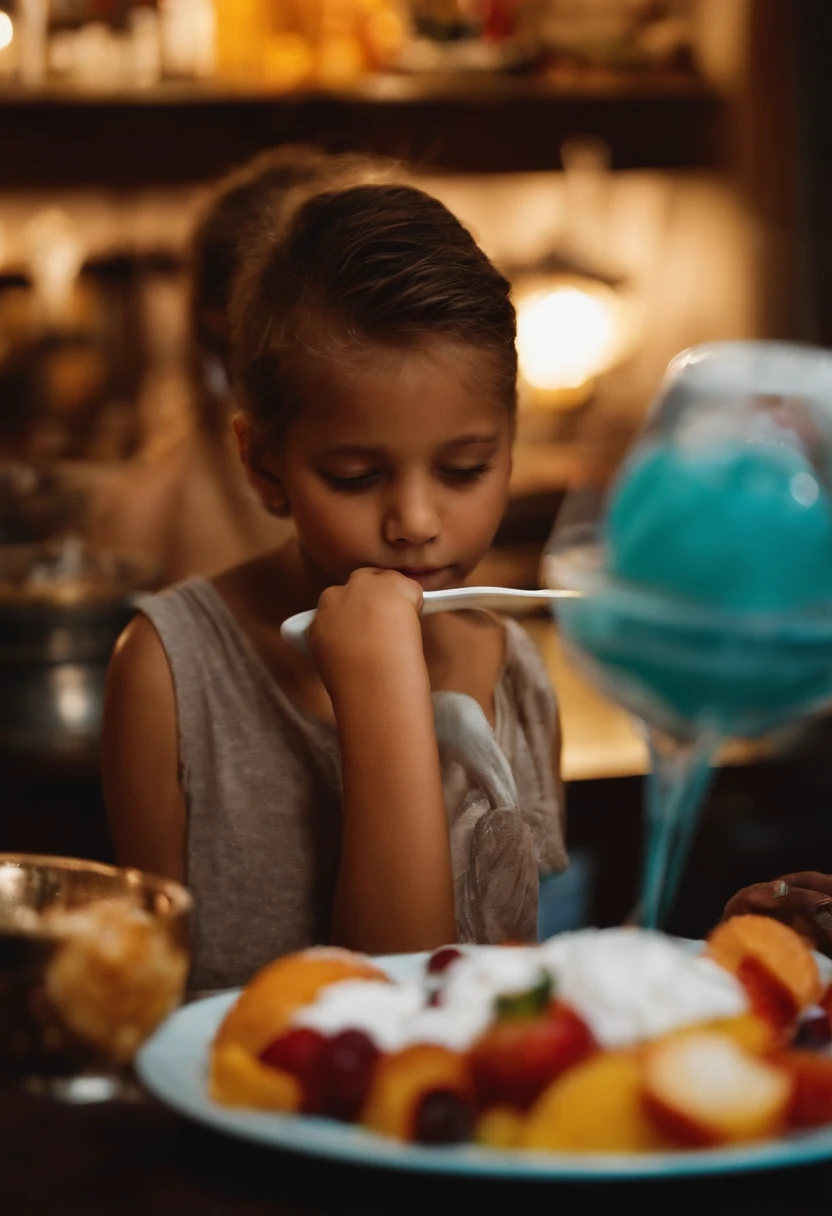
[{"x": 629, "y": 985}]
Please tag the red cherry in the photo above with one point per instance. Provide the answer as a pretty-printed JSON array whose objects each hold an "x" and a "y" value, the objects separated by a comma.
[
  {"x": 443, "y": 1117},
  {"x": 301, "y": 1052},
  {"x": 440, "y": 960},
  {"x": 348, "y": 1062}
]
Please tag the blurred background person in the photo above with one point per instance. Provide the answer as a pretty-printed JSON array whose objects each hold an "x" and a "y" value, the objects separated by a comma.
[{"x": 184, "y": 498}]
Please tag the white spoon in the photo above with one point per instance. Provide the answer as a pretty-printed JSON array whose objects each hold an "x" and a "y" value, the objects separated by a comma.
[{"x": 293, "y": 630}]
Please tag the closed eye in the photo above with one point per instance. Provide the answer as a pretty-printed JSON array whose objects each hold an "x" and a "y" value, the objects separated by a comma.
[
  {"x": 466, "y": 474},
  {"x": 351, "y": 485}
]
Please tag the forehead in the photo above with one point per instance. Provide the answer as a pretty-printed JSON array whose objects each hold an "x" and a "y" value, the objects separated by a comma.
[{"x": 382, "y": 397}]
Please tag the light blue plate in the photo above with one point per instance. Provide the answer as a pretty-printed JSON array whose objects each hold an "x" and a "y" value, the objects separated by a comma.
[{"x": 173, "y": 1066}]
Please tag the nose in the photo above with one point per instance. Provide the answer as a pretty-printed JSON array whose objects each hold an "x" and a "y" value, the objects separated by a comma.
[{"x": 411, "y": 515}]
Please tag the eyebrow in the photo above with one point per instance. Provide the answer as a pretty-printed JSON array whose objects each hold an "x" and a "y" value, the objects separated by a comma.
[
  {"x": 351, "y": 449},
  {"x": 465, "y": 441},
  {"x": 355, "y": 449}
]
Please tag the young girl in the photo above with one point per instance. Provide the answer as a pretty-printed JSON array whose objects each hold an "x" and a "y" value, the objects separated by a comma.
[{"x": 399, "y": 789}]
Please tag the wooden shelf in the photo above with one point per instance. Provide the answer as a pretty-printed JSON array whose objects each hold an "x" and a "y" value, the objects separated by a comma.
[{"x": 177, "y": 134}]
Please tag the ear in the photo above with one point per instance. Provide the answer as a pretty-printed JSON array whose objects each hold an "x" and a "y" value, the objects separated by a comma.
[{"x": 265, "y": 482}]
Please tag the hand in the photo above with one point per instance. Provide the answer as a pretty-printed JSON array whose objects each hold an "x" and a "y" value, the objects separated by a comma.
[
  {"x": 802, "y": 900},
  {"x": 371, "y": 621}
]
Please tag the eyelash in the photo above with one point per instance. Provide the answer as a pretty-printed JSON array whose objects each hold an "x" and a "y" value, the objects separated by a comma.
[{"x": 354, "y": 485}]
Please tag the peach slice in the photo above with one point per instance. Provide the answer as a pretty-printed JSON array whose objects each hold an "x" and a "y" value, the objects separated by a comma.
[
  {"x": 705, "y": 1089},
  {"x": 748, "y": 1030},
  {"x": 266, "y": 1004},
  {"x": 405, "y": 1081},
  {"x": 595, "y": 1107},
  {"x": 238, "y": 1079},
  {"x": 773, "y": 961},
  {"x": 500, "y": 1127}
]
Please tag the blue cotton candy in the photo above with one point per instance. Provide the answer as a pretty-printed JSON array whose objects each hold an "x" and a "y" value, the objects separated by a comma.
[
  {"x": 742, "y": 526},
  {"x": 745, "y": 527}
]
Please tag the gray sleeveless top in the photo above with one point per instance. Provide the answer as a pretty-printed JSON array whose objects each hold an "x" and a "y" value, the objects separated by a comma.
[{"x": 262, "y": 787}]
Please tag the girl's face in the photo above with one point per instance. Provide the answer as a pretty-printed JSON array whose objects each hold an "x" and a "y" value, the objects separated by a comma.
[{"x": 400, "y": 463}]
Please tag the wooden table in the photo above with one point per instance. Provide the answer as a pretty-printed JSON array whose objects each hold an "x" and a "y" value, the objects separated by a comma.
[{"x": 118, "y": 1159}]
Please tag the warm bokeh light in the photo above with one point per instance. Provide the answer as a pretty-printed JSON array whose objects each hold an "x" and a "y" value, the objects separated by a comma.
[
  {"x": 567, "y": 335},
  {"x": 6, "y": 31}
]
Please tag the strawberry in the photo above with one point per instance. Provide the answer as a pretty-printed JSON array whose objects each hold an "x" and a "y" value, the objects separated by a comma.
[{"x": 515, "y": 1059}]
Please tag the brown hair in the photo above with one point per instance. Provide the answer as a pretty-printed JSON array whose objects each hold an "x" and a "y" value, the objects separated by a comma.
[{"x": 357, "y": 267}]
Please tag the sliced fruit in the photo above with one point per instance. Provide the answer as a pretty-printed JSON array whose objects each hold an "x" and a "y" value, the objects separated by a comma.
[
  {"x": 500, "y": 1127},
  {"x": 770, "y": 998},
  {"x": 514, "y": 1060},
  {"x": 756, "y": 1034},
  {"x": 812, "y": 1099},
  {"x": 778, "y": 953},
  {"x": 704, "y": 1089},
  {"x": 596, "y": 1107},
  {"x": 239, "y": 1079},
  {"x": 401, "y": 1083},
  {"x": 266, "y": 1004}
]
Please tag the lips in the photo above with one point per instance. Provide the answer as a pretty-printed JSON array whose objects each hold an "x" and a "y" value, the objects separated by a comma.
[{"x": 428, "y": 576}]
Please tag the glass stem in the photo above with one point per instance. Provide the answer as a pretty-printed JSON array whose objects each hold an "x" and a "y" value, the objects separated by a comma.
[{"x": 676, "y": 785}]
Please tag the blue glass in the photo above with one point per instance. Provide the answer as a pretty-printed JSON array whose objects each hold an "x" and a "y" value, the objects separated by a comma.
[{"x": 704, "y": 601}]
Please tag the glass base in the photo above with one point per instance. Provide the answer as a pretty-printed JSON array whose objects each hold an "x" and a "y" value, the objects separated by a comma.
[{"x": 86, "y": 1088}]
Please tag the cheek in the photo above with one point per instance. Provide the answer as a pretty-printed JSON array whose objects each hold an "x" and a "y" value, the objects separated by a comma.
[
  {"x": 481, "y": 513},
  {"x": 332, "y": 528},
  {"x": 490, "y": 505}
]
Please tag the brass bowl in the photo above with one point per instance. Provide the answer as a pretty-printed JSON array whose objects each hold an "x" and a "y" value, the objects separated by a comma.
[{"x": 92, "y": 959}]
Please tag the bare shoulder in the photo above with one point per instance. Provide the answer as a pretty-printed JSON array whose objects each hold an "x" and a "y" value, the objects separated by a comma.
[
  {"x": 139, "y": 755},
  {"x": 139, "y": 661},
  {"x": 140, "y": 702}
]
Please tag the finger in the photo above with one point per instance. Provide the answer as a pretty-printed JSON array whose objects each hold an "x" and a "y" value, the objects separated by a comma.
[
  {"x": 741, "y": 902},
  {"x": 766, "y": 899},
  {"x": 413, "y": 591},
  {"x": 810, "y": 880}
]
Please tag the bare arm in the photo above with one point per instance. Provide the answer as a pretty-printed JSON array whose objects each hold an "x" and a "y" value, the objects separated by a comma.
[
  {"x": 395, "y": 888},
  {"x": 139, "y": 766}
]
